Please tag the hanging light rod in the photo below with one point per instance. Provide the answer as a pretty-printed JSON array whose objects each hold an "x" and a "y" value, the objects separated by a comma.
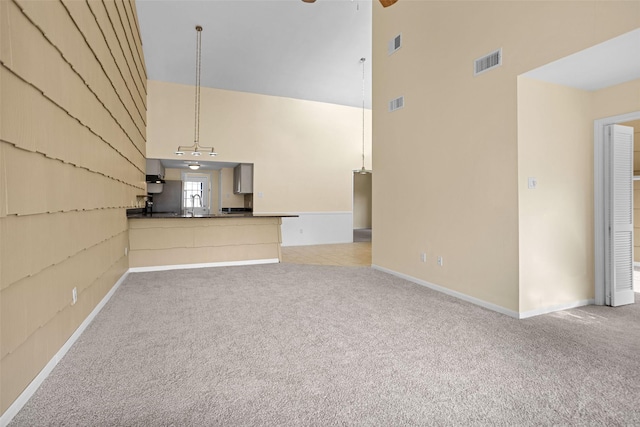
[
  {"x": 363, "y": 171},
  {"x": 196, "y": 149}
]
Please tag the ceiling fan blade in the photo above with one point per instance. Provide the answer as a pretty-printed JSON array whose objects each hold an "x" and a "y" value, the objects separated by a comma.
[{"x": 385, "y": 3}]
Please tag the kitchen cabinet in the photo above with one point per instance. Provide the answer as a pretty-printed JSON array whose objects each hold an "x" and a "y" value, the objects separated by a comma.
[
  {"x": 243, "y": 179},
  {"x": 155, "y": 167},
  {"x": 155, "y": 176}
]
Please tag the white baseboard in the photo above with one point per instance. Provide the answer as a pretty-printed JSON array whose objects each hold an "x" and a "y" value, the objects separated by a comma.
[
  {"x": 557, "y": 307},
  {"x": 485, "y": 304},
  {"x": 317, "y": 228},
  {"x": 450, "y": 292},
  {"x": 203, "y": 265},
  {"x": 24, "y": 397}
]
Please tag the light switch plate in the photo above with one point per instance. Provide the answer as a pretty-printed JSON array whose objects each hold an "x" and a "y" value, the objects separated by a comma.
[{"x": 533, "y": 183}]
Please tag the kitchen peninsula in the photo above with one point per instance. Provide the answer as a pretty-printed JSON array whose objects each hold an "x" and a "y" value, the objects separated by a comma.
[{"x": 165, "y": 241}]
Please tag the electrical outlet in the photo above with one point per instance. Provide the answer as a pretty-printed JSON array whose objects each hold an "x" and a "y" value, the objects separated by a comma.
[
  {"x": 126, "y": 251},
  {"x": 74, "y": 296},
  {"x": 440, "y": 261},
  {"x": 423, "y": 257},
  {"x": 301, "y": 231}
]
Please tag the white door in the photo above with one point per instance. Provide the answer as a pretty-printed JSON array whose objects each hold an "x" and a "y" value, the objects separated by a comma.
[{"x": 619, "y": 215}]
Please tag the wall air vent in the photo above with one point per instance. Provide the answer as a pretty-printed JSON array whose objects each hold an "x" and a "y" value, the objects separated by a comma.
[
  {"x": 488, "y": 62},
  {"x": 396, "y": 104},
  {"x": 394, "y": 44}
]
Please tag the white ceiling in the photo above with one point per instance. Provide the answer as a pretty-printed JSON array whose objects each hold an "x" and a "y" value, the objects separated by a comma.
[
  {"x": 606, "y": 64},
  {"x": 275, "y": 47}
]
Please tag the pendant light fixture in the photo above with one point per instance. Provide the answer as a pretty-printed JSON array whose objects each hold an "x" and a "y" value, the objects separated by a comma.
[
  {"x": 196, "y": 149},
  {"x": 363, "y": 171}
]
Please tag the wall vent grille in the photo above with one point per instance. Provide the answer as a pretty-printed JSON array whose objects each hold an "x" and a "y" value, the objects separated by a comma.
[
  {"x": 488, "y": 62},
  {"x": 396, "y": 104},
  {"x": 394, "y": 44}
]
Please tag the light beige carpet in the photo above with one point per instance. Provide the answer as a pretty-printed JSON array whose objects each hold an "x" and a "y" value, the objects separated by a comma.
[{"x": 291, "y": 345}]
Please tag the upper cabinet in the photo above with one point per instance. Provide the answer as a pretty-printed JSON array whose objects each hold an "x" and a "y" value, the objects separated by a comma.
[
  {"x": 155, "y": 176},
  {"x": 155, "y": 168},
  {"x": 243, "y": 179}
]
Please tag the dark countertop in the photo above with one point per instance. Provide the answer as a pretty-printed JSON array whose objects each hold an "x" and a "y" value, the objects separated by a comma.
[{"x": 224, "y": 215}]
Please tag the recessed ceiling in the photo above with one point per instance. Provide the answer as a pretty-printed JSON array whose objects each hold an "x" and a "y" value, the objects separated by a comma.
[
  {"x": 606, "y": 64},
  {"x": 285, "y": 48}
]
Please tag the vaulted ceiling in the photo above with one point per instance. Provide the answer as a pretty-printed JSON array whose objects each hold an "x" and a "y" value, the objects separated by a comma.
[{"x": 284, "y": 48}]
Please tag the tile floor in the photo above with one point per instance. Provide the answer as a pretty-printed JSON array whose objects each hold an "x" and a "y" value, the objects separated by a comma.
[
  {"x": 345, "y": 254},
  {"x": 353, "y": 254}
]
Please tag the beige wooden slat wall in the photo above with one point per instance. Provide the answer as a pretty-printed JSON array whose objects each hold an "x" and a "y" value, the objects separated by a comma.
[
  {"x": 174, "y": 241},
  {"x": 72, "y": 159}
]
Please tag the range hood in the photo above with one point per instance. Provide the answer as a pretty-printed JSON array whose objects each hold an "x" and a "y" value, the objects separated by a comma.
[
  {"x": 155, "y": 179},
  {"x": 155, "y": 176}
]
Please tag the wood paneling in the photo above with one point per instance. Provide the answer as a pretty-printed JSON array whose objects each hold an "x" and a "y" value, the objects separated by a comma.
[
  {"x": 35, "y": 300},
  {"x": 72, "y": 159},
  {"x": 31, "y": 243},
  {"x": 103, "y": 19},
  {"x": 177, "y": 241},
  {"x": 62, "y": 137}
]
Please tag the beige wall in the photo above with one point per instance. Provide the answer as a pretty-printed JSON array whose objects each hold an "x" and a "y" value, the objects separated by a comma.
[
  {"x": 230, "y": 200},
  {"x": 362, "y": 200},
  {"x": 303, "y": 152},
  {"x": 555, "y": 145},
  {"x": 615, "y": 100},
  {"x": 72, "y": 146},
  {"x": 453, "y": 149}
]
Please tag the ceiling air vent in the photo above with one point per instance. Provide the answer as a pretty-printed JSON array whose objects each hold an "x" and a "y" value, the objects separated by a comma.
[
  {"x": 396, "y": 104},
  {"x": 395, "y": 44},
  {"x": 487, "y": 62}
]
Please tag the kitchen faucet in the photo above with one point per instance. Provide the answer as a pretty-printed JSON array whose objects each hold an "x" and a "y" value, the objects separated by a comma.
[{"x": 193, "y": 203}]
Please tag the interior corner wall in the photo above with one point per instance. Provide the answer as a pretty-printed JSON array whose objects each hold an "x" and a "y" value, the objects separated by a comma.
[
  {"x": 229, "y": 199},
  {"x": 452, "y": 151},
  {"x": 72, "y": 159},
  {"x": 555, "y": 147}
]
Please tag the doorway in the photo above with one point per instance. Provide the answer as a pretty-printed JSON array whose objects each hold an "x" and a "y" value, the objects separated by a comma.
[
  {"x": 601, "y": 224},
  {"x": 362, "y": 212},
  {"x": 635, "y": 124}
]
